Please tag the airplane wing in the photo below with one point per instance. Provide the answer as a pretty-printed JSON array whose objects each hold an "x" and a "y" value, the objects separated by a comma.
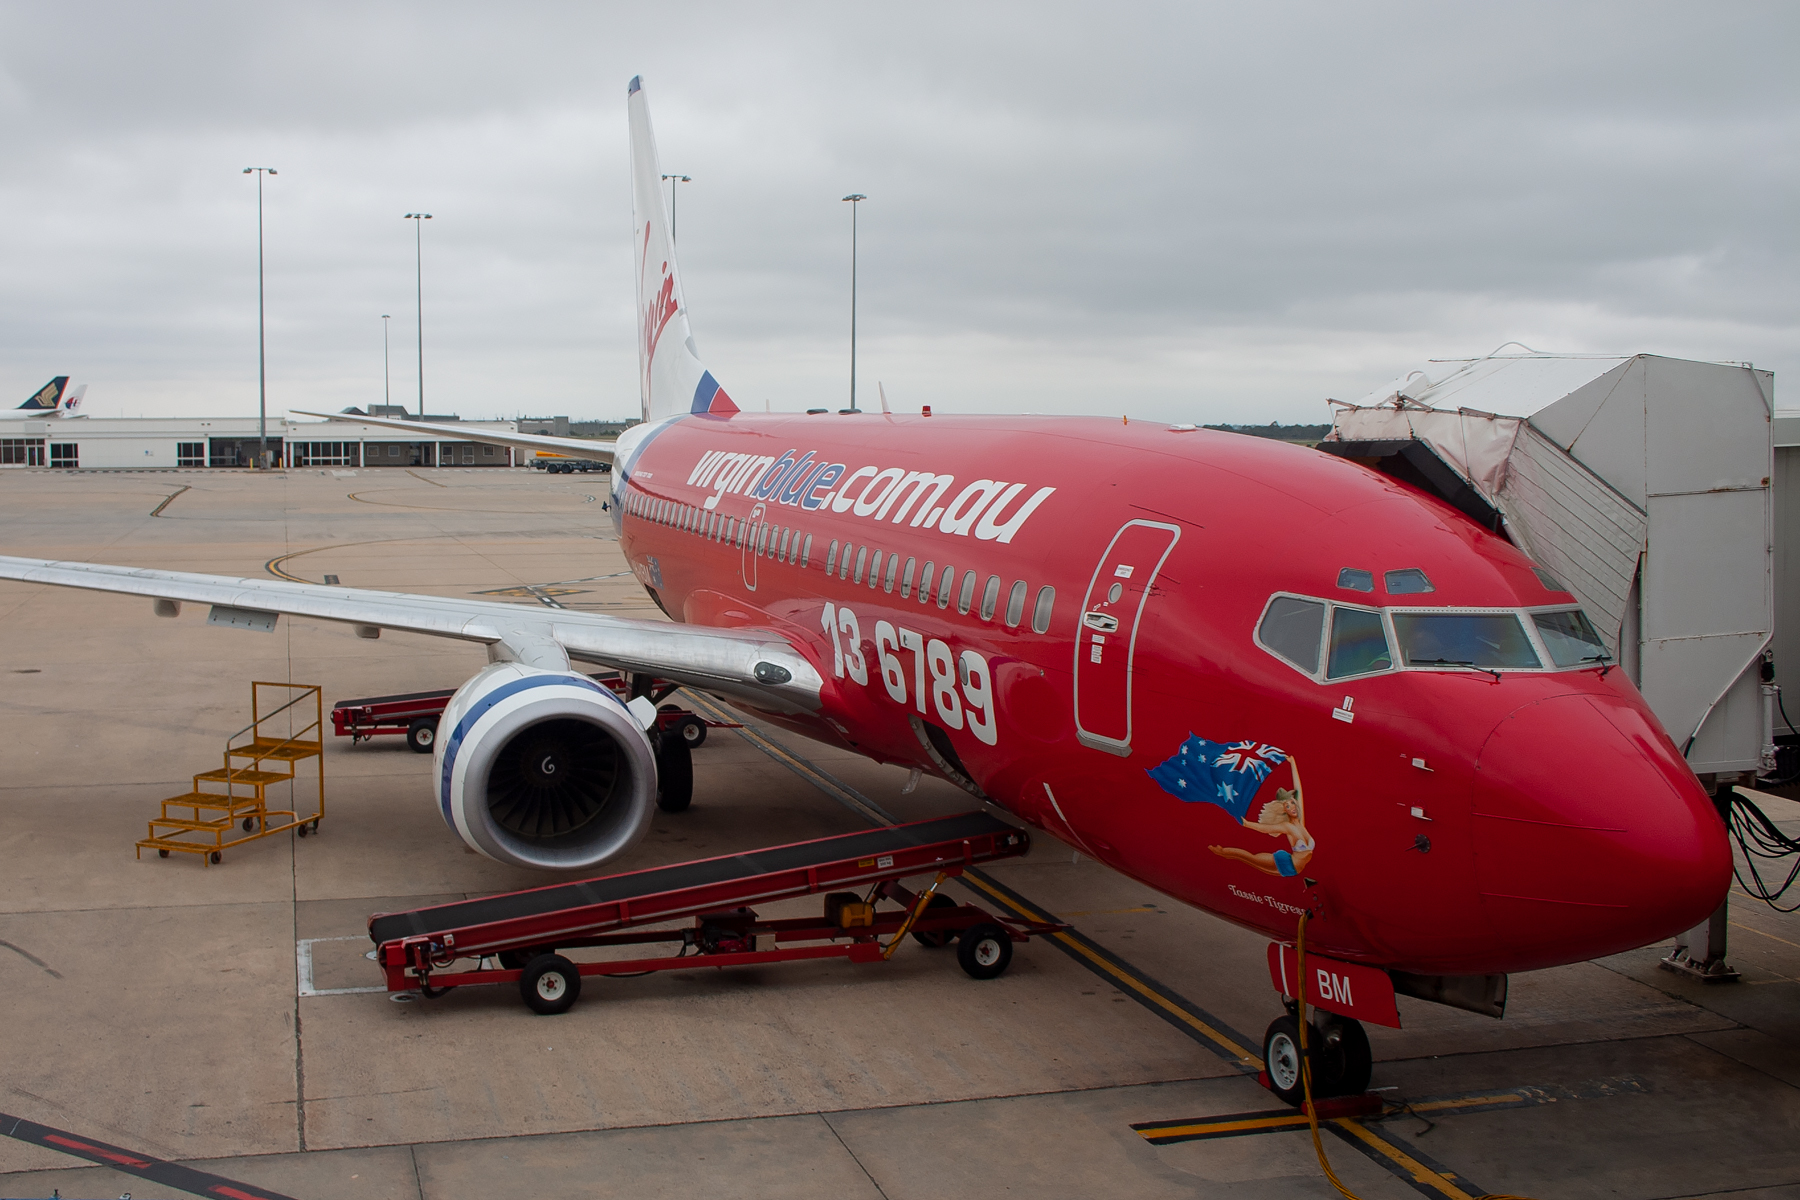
[
  {"x": 760, "y": 667},
  {"x": 588, "y": 448}
]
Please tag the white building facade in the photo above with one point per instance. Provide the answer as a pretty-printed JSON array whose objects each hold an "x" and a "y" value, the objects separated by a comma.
[{"x": 151, "y": 443}]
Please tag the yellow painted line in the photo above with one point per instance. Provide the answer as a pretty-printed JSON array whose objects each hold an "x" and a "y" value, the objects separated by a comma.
[
  {"x": 1205, "y": 1127},
  {"x": 1419, "y": 1172},
  {"x": 422, "y": 479},
  {"x": 1770, "y": 936},
  {"x": 1125, "y": 977},
  {"x": 1468, "y": 1102},
  {"x": 169, "y": 499}
]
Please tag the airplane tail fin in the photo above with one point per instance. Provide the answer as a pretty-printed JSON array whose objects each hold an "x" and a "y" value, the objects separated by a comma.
[
  {"x": 48, "y": 398},
  {"x": 671, "y": 377},
  {"x": 73, "y": 400}
]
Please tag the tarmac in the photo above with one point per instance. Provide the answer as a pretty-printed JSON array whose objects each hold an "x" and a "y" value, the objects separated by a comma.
[{"x": 222, "y": 1020}]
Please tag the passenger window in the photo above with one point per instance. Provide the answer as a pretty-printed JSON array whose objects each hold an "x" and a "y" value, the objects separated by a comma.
[
  {"x": 1353, "y": 580},
  {"x": 787, "y": 539},
  {"x": 844, "y": 566},
  {"x": 1483, "y": 640},
  {"x": 907, "y": 577},
  {"x": 1040, "y": 614},
  {"x": 1570, "y": 638},
  {"x": 731, "y": 532},
  {"x": 946, "y": 583},
  {"x": 967, "y": 598},
  {"x": 990, "y": 597},
  {"x": 875, "y": 569},
  {"x": 925, "y": 584},
  {"x": 1291, "y": 629},
  {"x": 806, "y": 552},
  {"x": 862, "y": 558},
  {"x": 887, "y": 583},
  {"x": 1015, "y": 604},
  {"x": 1409, "y": 582},
  {"x": 831, "y": 558},
  {"x": 1358, "y": 644}
]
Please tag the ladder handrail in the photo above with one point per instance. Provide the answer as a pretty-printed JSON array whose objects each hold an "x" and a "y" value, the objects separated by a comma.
[{"x": 297, "y": 699}]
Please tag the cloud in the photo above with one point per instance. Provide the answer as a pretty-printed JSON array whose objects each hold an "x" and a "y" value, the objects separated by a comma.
[{"x": 1211, "y": 211}]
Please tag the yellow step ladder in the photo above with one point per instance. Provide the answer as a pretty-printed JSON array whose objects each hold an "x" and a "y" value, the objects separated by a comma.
[{"x": 229, "y": 804}]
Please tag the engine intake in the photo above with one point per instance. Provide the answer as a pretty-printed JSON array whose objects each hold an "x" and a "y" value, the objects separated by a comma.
[{"x": 543, "y": 769}]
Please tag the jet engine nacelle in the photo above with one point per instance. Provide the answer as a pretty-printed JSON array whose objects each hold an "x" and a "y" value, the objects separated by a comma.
[{"x": 543, "y": 768}]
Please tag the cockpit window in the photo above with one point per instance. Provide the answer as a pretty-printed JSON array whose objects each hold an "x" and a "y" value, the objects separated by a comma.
[
  {"x": 1359, "y": 644},
  {"x": 1483, "y": 640},
  {"x": 1408, "y": 582},
  {"x": 1570, "y": 638},
  {"x": 1291, "y": 629},
  {"x": 1353, "y": 580}
]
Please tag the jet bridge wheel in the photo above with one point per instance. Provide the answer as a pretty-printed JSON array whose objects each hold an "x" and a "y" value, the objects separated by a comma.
[
  {"x": 674, "y": 774},
  {"x": 550, "y": 984}
]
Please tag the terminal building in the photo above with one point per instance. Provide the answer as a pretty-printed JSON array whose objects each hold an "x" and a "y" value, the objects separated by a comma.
[{"x": 143, "y": 443}]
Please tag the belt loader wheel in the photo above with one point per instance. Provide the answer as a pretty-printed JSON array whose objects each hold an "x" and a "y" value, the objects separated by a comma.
[
  {"x": 421, "y": 735},
  {"x": 984, "y": 952},
  {"x": 550, "y": 984},
  {"x": 936, "y": 938}
]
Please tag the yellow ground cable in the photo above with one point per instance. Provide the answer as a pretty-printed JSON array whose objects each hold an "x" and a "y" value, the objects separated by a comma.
[
  {"x": 918, "y": 910},
  {"x": 1312, "y": 1114}
]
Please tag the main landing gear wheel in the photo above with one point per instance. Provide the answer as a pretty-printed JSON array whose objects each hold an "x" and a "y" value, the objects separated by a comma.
[
  {"x": 984, "y": 952},
  {"x": 674, "y": 775},
  {"x": 550, "y": 985},
  {"x": 936, "y": 938},
  {"x": 421, "y": 735}
]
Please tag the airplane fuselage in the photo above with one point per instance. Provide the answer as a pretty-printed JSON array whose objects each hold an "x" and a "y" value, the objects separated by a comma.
[{"x": 1048, "y": 609}]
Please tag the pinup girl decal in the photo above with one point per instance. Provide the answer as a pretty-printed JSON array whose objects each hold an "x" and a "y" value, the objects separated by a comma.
[{"x": 1228, "y": 774}]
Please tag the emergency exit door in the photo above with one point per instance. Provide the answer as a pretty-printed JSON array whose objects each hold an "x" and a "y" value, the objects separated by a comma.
[{"x": 1111, "y": 614}]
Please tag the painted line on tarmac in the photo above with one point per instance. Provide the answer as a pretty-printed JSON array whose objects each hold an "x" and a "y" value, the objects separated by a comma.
[
  {"x": 1158, "y": 997},
  {"x": 169, "y": 499},
  {"x": 156, "y": 1170}
]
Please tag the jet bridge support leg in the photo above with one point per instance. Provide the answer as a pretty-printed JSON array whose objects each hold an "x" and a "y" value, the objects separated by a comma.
[{"x": 1700, "y": 951}]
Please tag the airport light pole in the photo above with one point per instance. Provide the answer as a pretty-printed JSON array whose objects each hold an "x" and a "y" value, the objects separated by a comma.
[
  {"x": 673, "y": 180},
  {"x": 387, "y": 374},
  {"x": 262, "y": 357},
  {"x": 854, "y": 198},
  {"x": 418, "y": 220}
]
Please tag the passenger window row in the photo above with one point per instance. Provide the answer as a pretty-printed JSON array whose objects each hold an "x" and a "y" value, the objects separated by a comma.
[{"x": 877, "y": 567}]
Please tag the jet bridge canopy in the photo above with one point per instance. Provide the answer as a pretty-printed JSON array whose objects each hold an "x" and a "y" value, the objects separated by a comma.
[{"x": 1640, "y": 482}]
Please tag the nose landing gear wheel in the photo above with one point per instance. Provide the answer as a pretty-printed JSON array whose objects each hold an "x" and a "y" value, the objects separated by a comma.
[
  {"x": 1340, "y": 1054},
  {"x": 550, "y": 985},
  {"x": 984, "y": 951},
  {"x": 1281, "y": 1058}
]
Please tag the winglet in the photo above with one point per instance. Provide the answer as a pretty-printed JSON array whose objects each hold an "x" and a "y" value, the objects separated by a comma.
[{"x": 671, "y": 377}]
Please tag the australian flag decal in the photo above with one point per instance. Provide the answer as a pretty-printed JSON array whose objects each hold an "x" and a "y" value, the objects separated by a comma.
[{"x": 1223, "y": 773}]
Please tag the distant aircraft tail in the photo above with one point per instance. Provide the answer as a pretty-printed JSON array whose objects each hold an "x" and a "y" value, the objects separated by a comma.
[
  {"x": 47, "y": 399},
  {"x": 73, "y": 400},
  {"x": 671, "y": 377}
]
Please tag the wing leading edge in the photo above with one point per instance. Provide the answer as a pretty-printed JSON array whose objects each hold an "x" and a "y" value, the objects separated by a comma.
[
  {"x": 760, "y": 667},
  {"x": 588, "y": 448}
]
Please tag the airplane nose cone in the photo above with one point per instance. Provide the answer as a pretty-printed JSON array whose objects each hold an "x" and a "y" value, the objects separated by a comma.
[{"x": 1591, "y": 835}]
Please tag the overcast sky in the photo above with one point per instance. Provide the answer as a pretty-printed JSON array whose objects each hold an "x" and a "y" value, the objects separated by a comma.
[{"x": 1186, "y": 211}]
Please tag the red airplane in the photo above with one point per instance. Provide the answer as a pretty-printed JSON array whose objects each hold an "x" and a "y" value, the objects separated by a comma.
[{"x": 1261, "y": 679}]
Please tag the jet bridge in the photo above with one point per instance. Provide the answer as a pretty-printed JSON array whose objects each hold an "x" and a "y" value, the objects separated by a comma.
[{"x": 1642, "y": 484}]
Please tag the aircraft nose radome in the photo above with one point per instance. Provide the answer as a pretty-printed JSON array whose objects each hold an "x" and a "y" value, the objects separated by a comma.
[{"x": 1591, "y": 835}]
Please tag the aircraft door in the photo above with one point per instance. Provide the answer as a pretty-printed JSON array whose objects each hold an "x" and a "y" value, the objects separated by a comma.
[
  {"x": 747, "y": 555},
  {"x": 1111, "y": 613}
]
